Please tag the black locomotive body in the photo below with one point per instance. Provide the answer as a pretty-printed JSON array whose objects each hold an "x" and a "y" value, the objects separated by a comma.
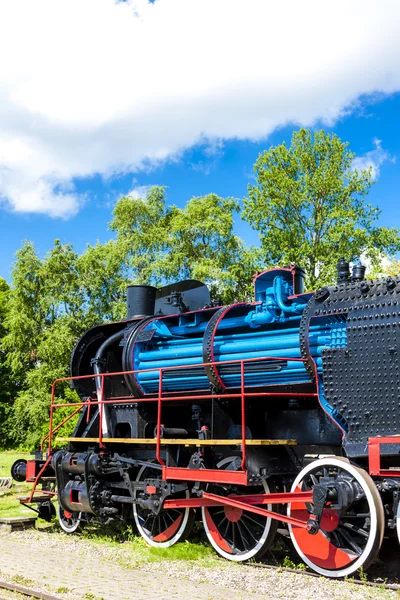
[{"x": 282, "y": 410}]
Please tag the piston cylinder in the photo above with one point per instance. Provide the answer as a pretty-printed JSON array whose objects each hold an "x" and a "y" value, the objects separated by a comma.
[{"x": 74, "y": 497}]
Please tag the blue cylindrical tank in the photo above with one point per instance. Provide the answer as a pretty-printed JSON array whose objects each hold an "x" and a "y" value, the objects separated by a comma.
[{"x": 266, "y": 329}]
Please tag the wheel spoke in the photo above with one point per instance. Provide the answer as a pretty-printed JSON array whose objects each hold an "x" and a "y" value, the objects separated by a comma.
[
  {"x": 147, "y": 519},
  {"x": 153, "y": 527},
  {"x": 356, "y": 529},
  {"x": 254, "y": 520},
  {"x": 233, "y": 535},
  {"x": 243, "y": 537},
  {"x": 249, "y": 530},
  {"x": 226, "y": 529},
  {"x": 348, "y": 539}
]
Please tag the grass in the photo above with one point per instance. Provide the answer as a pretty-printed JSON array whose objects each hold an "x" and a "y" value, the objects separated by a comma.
[
  {"x": 139, "y": 551},
  {"x": 9, "y": 504},
  {"x": 7, "y": 459}
]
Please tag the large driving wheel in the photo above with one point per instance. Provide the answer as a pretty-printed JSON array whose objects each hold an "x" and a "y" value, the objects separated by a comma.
[
  {"x": 169, "y": 526},
  {"x": 236, "y": 534},
  {"x": 398, "y": 522},
  {"x": 349, "y": 538}
]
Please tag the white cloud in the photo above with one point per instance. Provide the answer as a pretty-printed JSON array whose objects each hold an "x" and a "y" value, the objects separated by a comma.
[
  {"x": 99, "y": 86},
  {"x": 139, "y": 191},
  {"x": 373, "y": 159}
]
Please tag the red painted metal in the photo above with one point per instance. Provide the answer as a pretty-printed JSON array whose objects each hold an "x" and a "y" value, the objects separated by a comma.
[
  {"x": 228, "y": 501},
  {"x": 277, "y": 498},
  {"x": 38, "y": 476},
  {"x": 131, "y": 399},
  {"x": 51, "y": 433},
  {"x": 233, "y": 514},
  {"x": 215, "y": 534},
  {"x": 158, "y": 444},
  {"x": 243, "y": 407},
  {"x": 71, "y": 498},
  {"x": 151, "y": 489},
  {"x": 101, "y": 414},
  {"x": 168, "y": 533},
  {"x": 374, "y": 456},
  {"x": 206, "y": 475},
  {"x": 30, "y": 471},
  {"x": 61, "y": 424},
  {"x": 175, "y": 367},
  {"x": 318, "y": 547}
]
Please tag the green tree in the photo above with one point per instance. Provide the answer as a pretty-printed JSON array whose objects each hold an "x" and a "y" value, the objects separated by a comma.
[
  {"x": 308, "y": 205},
  {"x": 142, "y": 228},
  {"x": 51, "y": 303},
  {"x": 102, "y": 282},
  {"x": 24, "y": 314},
  {"x": 7, "y": 384},
  {"x": 165, "y": 244}
]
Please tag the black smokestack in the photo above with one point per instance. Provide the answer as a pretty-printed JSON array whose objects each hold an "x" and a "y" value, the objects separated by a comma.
[{"x": 140, "y": 300}]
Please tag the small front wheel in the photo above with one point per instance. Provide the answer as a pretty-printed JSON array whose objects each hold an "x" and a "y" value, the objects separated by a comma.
[
  {"x": 69, "y": 521},
  {"x": 169, "y": 526}
]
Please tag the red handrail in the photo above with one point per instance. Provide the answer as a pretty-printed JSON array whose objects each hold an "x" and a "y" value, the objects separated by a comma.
[{"x": 102, "y": 401}]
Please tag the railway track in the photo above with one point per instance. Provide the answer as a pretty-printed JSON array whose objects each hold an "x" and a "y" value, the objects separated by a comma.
[
  {"x": 24, "y": 592},
  {"x": 375, "y": 584}
]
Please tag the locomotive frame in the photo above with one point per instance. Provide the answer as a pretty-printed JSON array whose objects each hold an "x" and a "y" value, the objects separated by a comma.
[{"x": 341, "y": 499}]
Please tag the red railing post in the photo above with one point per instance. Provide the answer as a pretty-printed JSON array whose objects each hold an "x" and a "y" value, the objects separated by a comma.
[
  {"x": 49, "y": 447},
  {"x": 158, "y": 442},
  {"x": 243, "y": 406},
  {"x": 101, "y": 409}
]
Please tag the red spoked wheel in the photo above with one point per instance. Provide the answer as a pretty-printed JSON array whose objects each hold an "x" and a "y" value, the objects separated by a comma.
[
  {"x": 169, "y": 526},
  {"x": 69, "y": 521},
  {"x": 349, "y": 538},
  {"x": 235, "y": 534}
]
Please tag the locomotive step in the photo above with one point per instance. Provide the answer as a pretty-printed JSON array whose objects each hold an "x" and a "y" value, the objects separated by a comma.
[
  {"x": 17, "y": 523},
  {"x": 183, "y": 442},
  {"x": 37, "y": 499}
]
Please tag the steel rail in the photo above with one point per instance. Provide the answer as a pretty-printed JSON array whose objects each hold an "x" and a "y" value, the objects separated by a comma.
[
  {"x": 279, "y": 568},
  {"x": 20, "y": 589}
]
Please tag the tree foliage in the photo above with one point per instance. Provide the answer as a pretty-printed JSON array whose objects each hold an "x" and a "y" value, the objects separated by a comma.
[
  {"x": 7, "y": 384},
  {"x": 162, "y": 244},
  {"x": 52, "y": 302},
  {"x": 308, "y": 205}
]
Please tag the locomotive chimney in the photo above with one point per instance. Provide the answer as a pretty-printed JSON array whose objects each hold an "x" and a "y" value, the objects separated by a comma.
[
  {"x": 140, "y": 300},
  {"x": 343, "y": 271}
]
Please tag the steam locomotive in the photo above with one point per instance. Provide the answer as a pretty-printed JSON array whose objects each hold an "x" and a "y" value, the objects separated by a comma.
[{"x": 281, "y": 412}]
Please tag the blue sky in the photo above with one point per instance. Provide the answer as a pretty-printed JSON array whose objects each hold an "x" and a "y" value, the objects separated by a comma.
[
  {"x": 227, "y": 173},
  {"x": 142, "y": 98}
]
